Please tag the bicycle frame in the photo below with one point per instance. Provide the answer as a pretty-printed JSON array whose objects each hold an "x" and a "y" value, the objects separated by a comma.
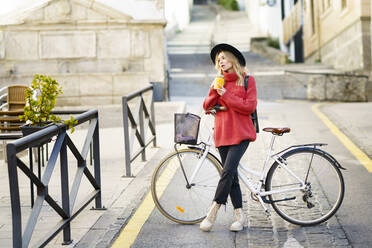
[
  {"x": 291, "y": 180},
  {"x": 255, "y": 188}
]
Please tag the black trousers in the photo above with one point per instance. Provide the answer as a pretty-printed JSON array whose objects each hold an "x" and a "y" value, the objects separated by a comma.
[{"x": 229, "y": 181}]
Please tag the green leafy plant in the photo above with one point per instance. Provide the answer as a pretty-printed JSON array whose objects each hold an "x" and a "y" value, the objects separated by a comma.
[
  {"x": 229, "y": 4},
  {"x": 38, "y": 109},
  {"x": 288, "y": 61},
  {"x": 273, "y": 42}
]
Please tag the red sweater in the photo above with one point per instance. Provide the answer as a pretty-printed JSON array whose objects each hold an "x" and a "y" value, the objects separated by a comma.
[{"x": 233, "y": 125}]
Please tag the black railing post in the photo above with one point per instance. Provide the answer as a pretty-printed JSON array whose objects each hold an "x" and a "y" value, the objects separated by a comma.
[
  {"x": 126, "y": 136},
  {"x": 21, "y": 238},
  {"x": 137, "y": 121},
  {"x": 152, "y": 115},
  {"x": 65, "y": 191},
  {"x": 14, "y": 195},
  {"x": 31, "y": 169},
  {"x": 97, "y": 164},
  {"x": 142, "y": 129}
]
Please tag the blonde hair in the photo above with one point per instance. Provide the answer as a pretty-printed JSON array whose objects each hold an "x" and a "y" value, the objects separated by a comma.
[{"x": 237, "y": 68}]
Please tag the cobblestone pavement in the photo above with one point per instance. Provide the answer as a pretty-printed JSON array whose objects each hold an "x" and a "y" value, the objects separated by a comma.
[
  {"x": 274, "y": 231},
  {"x": 262, "y": 231}
]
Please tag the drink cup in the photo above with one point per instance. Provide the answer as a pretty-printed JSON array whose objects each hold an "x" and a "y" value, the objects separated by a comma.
[{"x": 219, "y": 82}]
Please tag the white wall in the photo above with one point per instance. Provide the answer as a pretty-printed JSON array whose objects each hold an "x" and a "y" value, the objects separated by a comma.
[
  {"x": 178, "y": 14},
  {"x": 268, "y": 19},
  {"x": 97, "y": 53}
]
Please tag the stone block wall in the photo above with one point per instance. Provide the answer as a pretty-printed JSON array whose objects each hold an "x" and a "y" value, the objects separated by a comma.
[
  {"x": 259, "y": 46},
  {"x": 348, "y": 51},
  {"x": 96, "y": 54},
  {"x": 345, "y": 88}
]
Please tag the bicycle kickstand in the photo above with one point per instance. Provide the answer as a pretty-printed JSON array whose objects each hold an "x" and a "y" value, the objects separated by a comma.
[{"x": 266, "y": 210}]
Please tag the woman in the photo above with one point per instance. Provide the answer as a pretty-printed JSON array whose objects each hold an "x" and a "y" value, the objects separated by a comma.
[{"x": 233, "y": 128}]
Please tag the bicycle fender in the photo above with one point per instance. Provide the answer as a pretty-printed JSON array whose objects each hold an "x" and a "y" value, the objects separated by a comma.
[
  {"x": 333, "y": 159},
  {"x": 329, "y": 156}
]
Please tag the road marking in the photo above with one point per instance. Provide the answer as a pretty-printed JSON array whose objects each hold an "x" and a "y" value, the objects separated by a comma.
[
  {"x": 189, "y": 75},
  {"x": 176, "y": 70},
  {"x": 268, "y": 73},
  {"x": 359, "y": 154},
  {"x": 177, "y": 73},
  {"x": 130, "y": 232}
]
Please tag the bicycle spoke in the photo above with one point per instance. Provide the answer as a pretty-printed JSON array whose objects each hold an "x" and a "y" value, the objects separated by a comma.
[
  {"x": 291, "y": 206},
  {"x": 284, "y": 185},
  {"x": 322, "y": 194},
  {"x": 178, "y": 202}
]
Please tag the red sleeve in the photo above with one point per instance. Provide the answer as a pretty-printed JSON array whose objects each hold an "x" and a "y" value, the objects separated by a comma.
[
  {"x": 211, "y": 99},
  {"x": 245, "y": 105}
]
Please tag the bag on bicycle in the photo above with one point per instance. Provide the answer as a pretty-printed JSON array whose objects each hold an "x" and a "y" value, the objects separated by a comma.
[{"x": 254, "y": 116}]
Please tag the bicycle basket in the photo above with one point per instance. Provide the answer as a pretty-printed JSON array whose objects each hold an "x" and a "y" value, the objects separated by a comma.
[{"x": 186, "y": 128}]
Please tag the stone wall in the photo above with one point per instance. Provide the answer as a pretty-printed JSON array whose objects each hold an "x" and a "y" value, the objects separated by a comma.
[
  {"x": 97, "y": 54},
  {"x": 259, "y": 46},
  {"x": 348, "y": 51},
  {"x": 333, "y": 87}
]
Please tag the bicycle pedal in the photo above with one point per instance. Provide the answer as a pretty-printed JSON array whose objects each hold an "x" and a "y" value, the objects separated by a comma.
[
  {"x": 267, "y": 213},
  {"x": 310, "y": 204}
]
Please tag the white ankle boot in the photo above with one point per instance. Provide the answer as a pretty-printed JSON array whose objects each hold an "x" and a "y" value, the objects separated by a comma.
[
  {"x": 207, "y": 223},
  {"x": 238, "y": 225}
]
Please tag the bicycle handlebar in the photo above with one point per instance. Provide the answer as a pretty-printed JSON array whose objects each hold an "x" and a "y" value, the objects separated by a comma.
[{"x": 215, "y": 109}]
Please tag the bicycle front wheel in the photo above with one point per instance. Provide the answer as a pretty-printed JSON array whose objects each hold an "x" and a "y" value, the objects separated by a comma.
[
  {"x": 322, "y": 195},
  {"x": 176, "y": 199}
]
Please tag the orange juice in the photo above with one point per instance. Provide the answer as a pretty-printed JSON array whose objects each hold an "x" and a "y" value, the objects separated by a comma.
[{"x": 219, "y": 82}]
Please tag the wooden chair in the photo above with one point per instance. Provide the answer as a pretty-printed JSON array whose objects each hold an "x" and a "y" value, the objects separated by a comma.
[
  {"x": 9, "y": 120},
  {"x": 16, "y": 97}
]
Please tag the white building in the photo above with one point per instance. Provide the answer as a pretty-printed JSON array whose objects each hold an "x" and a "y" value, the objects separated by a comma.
[
  {"x": 266, "y": 15},
  {"x": 97, "y": 50},
  {"x": 178, "y": 15}
]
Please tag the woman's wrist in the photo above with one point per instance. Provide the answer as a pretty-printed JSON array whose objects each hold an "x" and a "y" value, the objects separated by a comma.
[{"x": 221, "y": 91}]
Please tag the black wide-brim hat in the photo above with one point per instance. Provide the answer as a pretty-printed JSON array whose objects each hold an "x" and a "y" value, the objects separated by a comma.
[{"x": 226, "y": 47}]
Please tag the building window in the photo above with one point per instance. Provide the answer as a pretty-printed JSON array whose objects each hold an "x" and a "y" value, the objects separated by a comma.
[{"x": 343, "y": 4}]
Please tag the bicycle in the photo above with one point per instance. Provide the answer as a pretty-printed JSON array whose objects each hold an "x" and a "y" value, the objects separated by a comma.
[{"x": 304, "y": 184}]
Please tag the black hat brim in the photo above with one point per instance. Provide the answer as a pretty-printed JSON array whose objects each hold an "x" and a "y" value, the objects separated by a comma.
[{"x": 226, "y": 47}]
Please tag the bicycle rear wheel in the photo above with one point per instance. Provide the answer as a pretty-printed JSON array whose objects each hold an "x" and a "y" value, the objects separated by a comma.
[
  {"x": 176, "y": 201},
  {"x": 324, "y": 190}
]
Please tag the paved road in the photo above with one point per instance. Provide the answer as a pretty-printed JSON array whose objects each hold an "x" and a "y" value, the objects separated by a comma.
[
  {"x": 263, "y": 232},
  {"x": 191, "y": 72}
]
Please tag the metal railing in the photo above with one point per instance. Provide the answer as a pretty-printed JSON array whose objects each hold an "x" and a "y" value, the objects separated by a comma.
[
  {"x": 67, "y": 211},
  {"x": 141, "y": 117}
]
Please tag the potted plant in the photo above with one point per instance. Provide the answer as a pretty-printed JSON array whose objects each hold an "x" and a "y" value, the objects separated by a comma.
[{"x": 40, "y": 101}]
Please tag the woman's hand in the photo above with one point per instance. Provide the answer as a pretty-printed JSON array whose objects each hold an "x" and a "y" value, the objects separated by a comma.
[
  {"x": 221, "y": 91},
  {"x": 212, "y": 84}
]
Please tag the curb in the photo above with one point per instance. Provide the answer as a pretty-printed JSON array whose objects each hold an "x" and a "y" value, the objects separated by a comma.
[
  {"x": 345, "y": 140},
  {"x": 109, "y": 225},
  {"x": 104, "y": 232}
]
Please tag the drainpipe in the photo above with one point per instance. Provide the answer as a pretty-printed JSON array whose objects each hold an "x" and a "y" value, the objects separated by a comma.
[{"x": 319, "y": 32}]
